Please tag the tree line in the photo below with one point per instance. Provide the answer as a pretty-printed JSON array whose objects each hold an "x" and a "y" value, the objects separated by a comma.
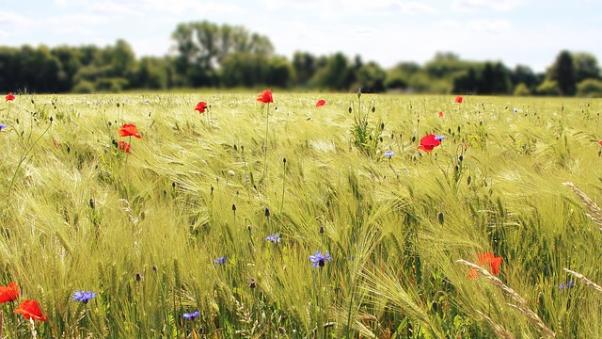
[{"x": 209, "y": 55}]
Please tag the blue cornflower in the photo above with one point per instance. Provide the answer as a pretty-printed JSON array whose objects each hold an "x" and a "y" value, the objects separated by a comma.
[
  {"x": 567, "y": 285},
  {"x": 273, "y": 238},
  {"x": 2, "y": 126},
  {"x": 220, "y": 260},
  {"x": 389, "y": 154},
  {"x": 319, "y": 259},
  {"x": 439, "y": 137},
  {"x": 191, "y": 315},
  {"x": 83, "y": 296}
]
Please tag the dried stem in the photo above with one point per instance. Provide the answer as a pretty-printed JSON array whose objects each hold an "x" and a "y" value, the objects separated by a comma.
[
  {"x": 591, "y": 208},
  {"x": 522, "y": 303},
  {"x": 585, "y": 280}
]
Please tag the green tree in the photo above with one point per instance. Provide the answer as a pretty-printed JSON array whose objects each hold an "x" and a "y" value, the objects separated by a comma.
[
  {"x": 304, "y": 65},
  {"x": 563, "y": 72},
  {"x": 590, "y": 88},
  {"x": 370, "y": 77},
  {"x": 586, "y": 67}
]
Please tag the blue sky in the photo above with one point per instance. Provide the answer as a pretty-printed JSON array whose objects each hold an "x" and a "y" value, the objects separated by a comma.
[{"x": 515, "y": 31}]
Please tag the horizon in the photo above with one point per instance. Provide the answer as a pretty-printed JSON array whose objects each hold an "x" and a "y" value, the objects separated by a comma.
[{"x": 504, "y": 30}]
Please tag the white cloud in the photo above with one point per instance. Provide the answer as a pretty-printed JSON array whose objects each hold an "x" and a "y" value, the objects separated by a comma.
[
  {"x": 338, "y": 6},
  {"x": 494, "y": 5}
]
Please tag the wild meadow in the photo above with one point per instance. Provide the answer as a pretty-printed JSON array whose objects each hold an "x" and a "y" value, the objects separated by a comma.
[{"x": 370, "y": 216}]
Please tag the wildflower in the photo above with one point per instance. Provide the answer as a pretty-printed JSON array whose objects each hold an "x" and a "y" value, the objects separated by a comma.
[
  {"x": 389, "y": 154},
  {"x": 9, "y": 292},
  {"x": 441, "y": 115},
  {"x": 30, "y": 309},
  {"x": 599, "y": 142},
  {"x": 201, "y": 107},
  {"x": 320, "y": 103},
  {"x": 129, "y": 130},
  {"x": 220, "y": 260},
  {"x": 567, "y": 285},
  {"x": 439, "y": 137},
  {"x": 265, "y": 97},
  {"x": 319, "y": 259},
  {"x": 10, "y": 96},
  {"x": 459, "y": 99},
  {"x": 273, "y": 238},
  {"x": 429, "y": 142},
  {"x": 489, "y": 260},
  {"x": 191, "y": 315},
  {"x": 124, "y": 146},
  {"x": 3, "y": 126},
  {"x": 83, "y": 296}
]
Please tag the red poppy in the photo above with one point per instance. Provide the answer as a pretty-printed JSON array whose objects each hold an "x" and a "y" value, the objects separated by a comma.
[
  {"x": 492, "y": 263},
  {"x": 124, "y": 146},
  {"x": 10, "y": 96},
  {"x": 441, "y": 115},
  {"x": 9, "y": 292},
  {"x": 129, "y": 130},
  {"x": 30, "y": 309},
  {"x": 428, "y": 143},
  {"x": 600, "y": 143},
  {"x": 201, "y": 107},
  {"x": 459, "y": 99},
  {"x": 320, "y": 103},
  {"x": 265, "y": 97}
]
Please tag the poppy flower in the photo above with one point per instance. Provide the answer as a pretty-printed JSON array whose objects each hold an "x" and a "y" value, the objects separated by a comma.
[
  {"x": 10, "y": 96},
  {"x": 441, "y": 115},
  {"x": 490, "y": 261},
  {"x": 201, "y": 107},
  {"x": 600, "y": 143},
  {"x": 9, "y": 292},
  {"x": 429, "y": 142},
  {"x": 459, "y": 99},
  {"x": 265, "y": 97},
  {"x": 320, "y": 103},
  {"x": 129, "y": 130},
  {"x": 124, "y": 146},
  {"x": 30, "y": 309}
]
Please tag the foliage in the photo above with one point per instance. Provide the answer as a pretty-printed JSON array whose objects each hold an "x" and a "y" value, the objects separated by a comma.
[
  {"x": 143, "y": 233},
  {"x": 590, "y": 88}
]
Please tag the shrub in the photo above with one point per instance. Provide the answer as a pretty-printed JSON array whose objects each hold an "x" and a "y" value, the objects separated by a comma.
[{"x": 591, "y": 88}]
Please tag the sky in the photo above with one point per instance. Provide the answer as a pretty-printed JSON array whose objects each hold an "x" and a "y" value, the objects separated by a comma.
[{"x": 529, "y": 32}]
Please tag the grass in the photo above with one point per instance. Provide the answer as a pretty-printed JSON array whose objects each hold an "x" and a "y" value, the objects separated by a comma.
[{"x": 144, "y": 233}]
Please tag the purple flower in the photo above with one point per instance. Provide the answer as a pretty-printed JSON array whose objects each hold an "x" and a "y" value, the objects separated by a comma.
[
  {"x": 567, "y": 285},
  {"x": 389, "y": 154},
  {"x": 319, "y": 259},
  {"x": 2, "y": 126},
  {"x": 191, "y": 315},
  {"x": 220, "y": 260},
  {"x": 83, "y": 296},
  {"x": 439, "y": 137},
  {"x": 273, "y": 238}
]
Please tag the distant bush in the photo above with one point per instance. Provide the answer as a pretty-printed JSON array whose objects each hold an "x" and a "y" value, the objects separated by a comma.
[
  {"x": 548, "y": 88},
  {"x": 591, "y": 88},
  {"x": 522, "y": 90},
  {"x": 84, "y": 87}
]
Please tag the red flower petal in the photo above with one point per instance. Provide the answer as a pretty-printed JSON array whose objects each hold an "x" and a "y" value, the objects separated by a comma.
[
  {"x": 201, "y": 107},
  {"x": 10, "y": 96},
  {"x": 129, "y": 130},
  {"x": 459, "y": 99},
  {"x": 30, "y": 309},
  {"x": 265, "y": 97},
  {"x": 320, "y": 103},
  {"x": 9, "y": 292}
]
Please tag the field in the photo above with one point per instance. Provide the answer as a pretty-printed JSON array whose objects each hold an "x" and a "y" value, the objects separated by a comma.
[{"x": 180, "y": 222}]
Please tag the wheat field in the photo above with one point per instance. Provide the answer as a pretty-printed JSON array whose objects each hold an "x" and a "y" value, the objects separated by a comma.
[{"x": 204, "y": 213}]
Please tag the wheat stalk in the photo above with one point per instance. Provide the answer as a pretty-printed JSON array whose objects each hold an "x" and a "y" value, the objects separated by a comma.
[
  {"x": 585, "y": 280},
  {"x": 522, "y": 303},
  {"x": 500, "y": 331},
  {"x": 591, "y": 208}
]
